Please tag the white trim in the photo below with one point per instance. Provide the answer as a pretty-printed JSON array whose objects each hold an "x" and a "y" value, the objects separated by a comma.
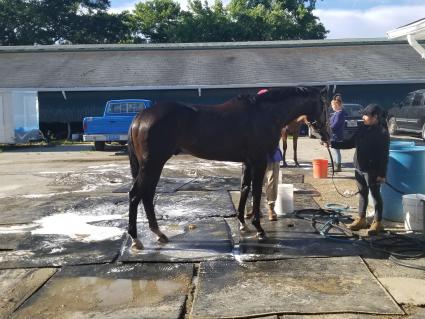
[
  {"x": 417, "y": 28},
  {"x": 415, "y": 45}
]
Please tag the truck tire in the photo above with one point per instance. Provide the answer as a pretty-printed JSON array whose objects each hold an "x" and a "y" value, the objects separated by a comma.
[
  {"x": 392, "y": 126},
  {"x": 99, "y": 146}
]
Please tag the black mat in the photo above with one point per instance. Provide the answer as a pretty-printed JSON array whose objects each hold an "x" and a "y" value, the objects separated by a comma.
[
  {"x": 292, "y": 178},
  {"x": 165, "y": 185},
  {"x": 229, "y": 289},
  {"x": 290, "y": 238},
  {"x": 212, "y": 183},
  {"x": 111, "y": 291},
  {"x": 58, "y": 250},
  {"x": 192, "y": 205},
  {"x": 195, "y": 241}
]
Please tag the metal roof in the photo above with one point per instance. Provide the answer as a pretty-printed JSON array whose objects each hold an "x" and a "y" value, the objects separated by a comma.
[{"x": 209, "y": 65}]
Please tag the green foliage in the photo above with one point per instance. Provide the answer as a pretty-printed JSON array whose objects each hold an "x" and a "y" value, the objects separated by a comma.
[{"x": 25, "y": 22}]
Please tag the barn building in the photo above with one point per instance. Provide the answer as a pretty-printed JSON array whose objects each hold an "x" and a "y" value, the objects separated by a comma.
[{"x": 74, "y": 81}]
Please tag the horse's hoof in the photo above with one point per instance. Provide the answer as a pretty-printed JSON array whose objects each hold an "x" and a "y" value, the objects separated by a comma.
[
  {"x": 243, "y": 227},
  {"x": 136, "y": 244},
  {"x": 261, "y": 236},
  {"x": 163, "y": 239}
]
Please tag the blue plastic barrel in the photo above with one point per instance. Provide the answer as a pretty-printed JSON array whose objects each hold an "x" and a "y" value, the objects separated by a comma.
[
  {"x": 406, "y": 172},
  {"x": 395, "y": 145}
]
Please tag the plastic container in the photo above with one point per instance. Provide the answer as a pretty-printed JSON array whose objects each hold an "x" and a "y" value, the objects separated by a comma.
[
  {"x": 395, "y": 145},
  {"x": 285, "y": 199},
  {"x": 414, "y": 210},
  {"x": 320, "y": 168},
  {"x": 406, "y": 172}
]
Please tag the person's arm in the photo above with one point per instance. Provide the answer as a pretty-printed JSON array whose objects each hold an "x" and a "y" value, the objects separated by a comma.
[
  {"x": 383, "y": 149},
  {"x": 345, "y": 144},
  {"x": 338, "y": 121}
]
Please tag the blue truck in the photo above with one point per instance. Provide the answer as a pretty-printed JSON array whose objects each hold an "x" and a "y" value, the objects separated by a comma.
[{"x": 114, "y": 124}]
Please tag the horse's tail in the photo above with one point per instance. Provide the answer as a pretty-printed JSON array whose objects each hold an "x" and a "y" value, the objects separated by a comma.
[{"x": 134, "y": 163}]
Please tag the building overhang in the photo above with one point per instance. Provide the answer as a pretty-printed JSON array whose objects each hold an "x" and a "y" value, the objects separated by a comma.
[{"x": 412, "y": 33}]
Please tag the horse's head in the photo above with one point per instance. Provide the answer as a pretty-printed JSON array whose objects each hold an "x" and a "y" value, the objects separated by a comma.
[{"x": 319, "y": 119}]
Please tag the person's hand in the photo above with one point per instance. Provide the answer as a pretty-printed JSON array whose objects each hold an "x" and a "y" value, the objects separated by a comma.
[
  {"x": 380, "y": 180},
  {"x": 325, "y": 144}
]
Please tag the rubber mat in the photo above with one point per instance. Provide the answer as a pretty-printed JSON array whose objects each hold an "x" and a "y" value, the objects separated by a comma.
[
  {"x": 228, "y": 289},
  {"x": 58, "y": 250},
  {"x": 192, "y": 205},
  {"x": 165, "y": 185},
  {"x": 189, "y": 241},
  {"x": 212, "y": 183},
  {"x": 111, "y": 291},
  {"x": 290, "y": 238}
]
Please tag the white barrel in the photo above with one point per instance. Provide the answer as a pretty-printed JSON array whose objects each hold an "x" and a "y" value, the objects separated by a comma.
[
  {"x": 285, "y": 199},
  {"x": 414, "y": 211}
]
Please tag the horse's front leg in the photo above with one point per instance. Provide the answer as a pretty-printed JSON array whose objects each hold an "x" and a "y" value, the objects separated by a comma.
[
  {"x": 258, "y": 171},
  {"x": 284, "y": 137},
  {"x": 245, "y": 187},
  {"x": 295, "y": 145}
]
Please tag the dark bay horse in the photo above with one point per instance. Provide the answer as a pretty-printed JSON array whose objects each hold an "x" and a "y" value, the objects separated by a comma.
[{"x": 244, "y": 129}]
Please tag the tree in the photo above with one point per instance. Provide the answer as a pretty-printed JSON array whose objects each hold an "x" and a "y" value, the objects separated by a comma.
[
  {"x": 46, "y": 21},
  {"x": 155, "y": 20}
]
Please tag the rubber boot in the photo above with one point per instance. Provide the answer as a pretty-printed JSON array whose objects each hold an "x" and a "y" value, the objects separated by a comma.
[
  {"x": 359, "y": 223},
  {"x": 375, "y": 228}
]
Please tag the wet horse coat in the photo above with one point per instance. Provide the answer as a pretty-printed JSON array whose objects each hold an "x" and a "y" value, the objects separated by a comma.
[{"x": 244, "y": 129}]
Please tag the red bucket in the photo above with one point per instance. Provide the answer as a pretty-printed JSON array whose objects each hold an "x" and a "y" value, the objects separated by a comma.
[{"x": 320, "y": 168}]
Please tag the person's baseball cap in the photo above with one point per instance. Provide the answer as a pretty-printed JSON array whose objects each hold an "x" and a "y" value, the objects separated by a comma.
[{"x": 371, "y": 109}]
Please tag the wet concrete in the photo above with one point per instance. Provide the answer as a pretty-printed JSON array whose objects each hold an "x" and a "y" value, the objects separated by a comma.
[
  {"x": 189, "y": 242},
  {"x": 111, "y": 291},
  {"x": 405, "y": 284},
  {"x": 16, "y": 285},
  {"x": 318, "y": 285},
  {"x": 73, "y": 192}
]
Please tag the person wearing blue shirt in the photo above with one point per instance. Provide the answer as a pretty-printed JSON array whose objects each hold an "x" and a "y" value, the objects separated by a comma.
[{"x": 337, "y": 122}]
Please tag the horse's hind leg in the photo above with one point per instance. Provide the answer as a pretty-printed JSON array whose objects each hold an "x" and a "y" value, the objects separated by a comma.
[
  {"x": 245, "y": 187},
  {"x": 151, "y": 174},
  {"x": 258, "y": 171},
  {"x": 134, "y": 199}
]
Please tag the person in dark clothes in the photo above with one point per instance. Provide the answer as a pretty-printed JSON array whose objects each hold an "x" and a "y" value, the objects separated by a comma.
[
  {"x": 337, "y": 122},
  {"x": 370, "y": 161}
]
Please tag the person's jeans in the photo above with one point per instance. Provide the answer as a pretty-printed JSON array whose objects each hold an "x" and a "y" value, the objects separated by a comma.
[
  {"x": 365, "y": 182},
  {"x": 336, "y": 155}
]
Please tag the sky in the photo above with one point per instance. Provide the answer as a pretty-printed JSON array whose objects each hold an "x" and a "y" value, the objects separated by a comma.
[{"x": 346, "y": 18}]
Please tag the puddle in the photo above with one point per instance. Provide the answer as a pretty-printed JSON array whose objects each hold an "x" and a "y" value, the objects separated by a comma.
[
  {"x": 102, "y": 291},
  {"x": 71, "y": 297}
]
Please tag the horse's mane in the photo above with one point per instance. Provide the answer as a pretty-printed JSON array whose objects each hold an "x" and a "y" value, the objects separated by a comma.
[{"x": 273, "y": 95}]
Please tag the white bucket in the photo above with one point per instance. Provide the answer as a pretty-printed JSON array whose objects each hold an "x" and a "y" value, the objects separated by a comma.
[
  {"x": 414, "y": 212},
  {"x": 285, "y": 199}
]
